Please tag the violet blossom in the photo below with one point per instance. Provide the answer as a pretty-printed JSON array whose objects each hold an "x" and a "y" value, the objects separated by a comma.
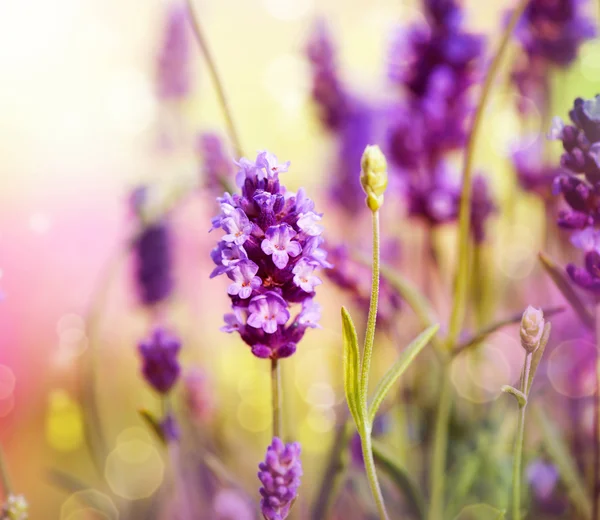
[
  {"x": 160, "y": 364},
  {"x": 217, "y": 167},
  {"x": 270, "y": 251},
  {"x": 580, "y": 186},
  {"x": 280, "y": 477}
]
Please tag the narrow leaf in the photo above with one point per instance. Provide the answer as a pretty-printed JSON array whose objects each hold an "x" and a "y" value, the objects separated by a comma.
[
  {"x": 400, "y": 476},
  {"x": 351, "y": 367},
  {"x": 398, "y": 368},
  {"x": 153, "y": 424},
  {"x": 564, "y": 286},
  {"x": 480, "y": 512},
  {"x": 537, "y": 355},
  {"x": 559, "y": 453},
  {"x": 517, "y": 394}
]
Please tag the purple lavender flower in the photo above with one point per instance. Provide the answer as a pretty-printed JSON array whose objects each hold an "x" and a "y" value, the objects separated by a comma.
[
  {"x": 533, "y": 175},
  {"x": 217, "y": 166},
  {"x": 270, "y": 251},
  {"x": 152, "y": 251},
  {"x": 280, "y": 476},
  {"x": 160, "y": 365},
  {"x": 170, "y": 428},
  {"x": 580, "y": 186},
  {"x": 543, "y": 478},
  {"x": 550, "y": 33},
  {"x": 173, "y": 63}
]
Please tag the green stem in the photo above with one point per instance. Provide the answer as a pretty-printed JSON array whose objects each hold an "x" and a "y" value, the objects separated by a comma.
[
  {"x": 276, "y": 397},
  {"x": 370, "y": 333},
  {"x": 216, "y": 79},
  {"x": 367, "y": 450},
  {"x": 516, "y": 485},
  {"x": 440, "y": 446},
  {"x": 4, "y": 476},
  {"x": 461, "y": 280}
]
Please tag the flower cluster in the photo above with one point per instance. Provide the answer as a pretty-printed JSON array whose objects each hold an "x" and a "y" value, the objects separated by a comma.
[
  {"x": 160, "y": 365},
  {"x": 152, "y": 250},
  {"x": 550, "y": 34},
  {"x": 16, "y": 508},
  {"x": 280, "y": 476},
  {"x": 173, "y": 63},
  {"x": 579, "y": 185},
  {"x": 270, "y": 252},
  {"x": 434, "y": 64}
]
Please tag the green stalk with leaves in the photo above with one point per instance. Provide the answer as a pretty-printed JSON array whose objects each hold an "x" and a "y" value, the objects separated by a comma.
[{"x": 356, "y": 369}]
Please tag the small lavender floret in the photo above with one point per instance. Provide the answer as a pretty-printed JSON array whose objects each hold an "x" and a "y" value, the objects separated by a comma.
[
  {"x": 270, "y": 251},
  {"x": 15, "y": 508},
  {"x": 160, "y": 365},
  {"x": 280, "y": 477}
]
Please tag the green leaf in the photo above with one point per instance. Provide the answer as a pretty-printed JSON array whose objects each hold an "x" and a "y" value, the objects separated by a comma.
[
  {"x": 517, "y": 394},
  {"x": 154, "y": 424},
  {"x": 563, "y": 284},
  {"x": 559, "y": 453},
  {"x": 537, "y": 355},
  {"x": 480, "y": 512},
  {"x": 351, "y": 368},
  {"x": 401, "y": 478},
  {"x": 398, "y": 368}
]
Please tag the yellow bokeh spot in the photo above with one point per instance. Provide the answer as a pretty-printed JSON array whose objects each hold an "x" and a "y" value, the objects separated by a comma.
[
  {"x": 254, "y": 418},
  {"x": 64, "y": 422},
  {"x": 88, "y": 504}
]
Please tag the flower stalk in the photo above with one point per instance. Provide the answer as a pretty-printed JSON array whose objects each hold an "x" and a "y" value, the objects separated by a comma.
[
  {"x": 4, "y": 476},
  {"x": 276, "y": 396}
]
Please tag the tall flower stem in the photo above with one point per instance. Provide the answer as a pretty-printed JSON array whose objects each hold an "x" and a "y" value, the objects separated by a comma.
[
  {"x": 216, "y": 79},
  {"x": 4, "y": 476},
  {"x": 276, "y": 397},
  {"x": 365, "y": 433},
  {"x": 440, "y": 446},
  {"x": 461, "y": 280},
  {"x": 596, "y": 480},
  {"x": 518, "y": 455}
]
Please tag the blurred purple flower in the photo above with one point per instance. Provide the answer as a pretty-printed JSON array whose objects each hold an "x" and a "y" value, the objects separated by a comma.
[
  {"x": 550, "y": 33},
  {"x": 543, "y": 478},
  {"x": 170, "y": 428},
  {"x": 173, "y": 61},
  {"x": 229, "y": 504},
  {"x": 153, "y": 251},
  {"x": 482, "y": 206},
  {"x": 280, "y": 477},
  {"x": 532, "y": 174},
  {"x": 217, "y": 166},
  {"x": 160, "y": 365},
  {"x": 270, "y": 251},
  {"x": 198, "y": 394}
]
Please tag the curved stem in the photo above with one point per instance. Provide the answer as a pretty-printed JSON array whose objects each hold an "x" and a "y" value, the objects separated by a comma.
[
  {"x": 367, "y": 450},
  {"x": 440, "y": 446},
  {"x": 516, "y": 485},
  {"x": 461, "y": 280},
  {"x": 4, "y": 476},
  {"x": 276, "y": 397},
  {"x": 216, "y": 79},
  {"x": 371, "y": 320}
]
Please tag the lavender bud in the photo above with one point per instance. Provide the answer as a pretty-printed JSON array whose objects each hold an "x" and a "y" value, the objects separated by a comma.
[
  {"x": 16, "y": 508},
  {"x": 532, "y": 328},
  {"x": 159, "y": 356},
  {"x": 373, "y": 176},
  {"x": 280, "y": 476}
]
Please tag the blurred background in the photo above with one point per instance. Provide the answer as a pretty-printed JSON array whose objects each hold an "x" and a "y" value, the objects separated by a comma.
[{"x": 82, "y": 124}]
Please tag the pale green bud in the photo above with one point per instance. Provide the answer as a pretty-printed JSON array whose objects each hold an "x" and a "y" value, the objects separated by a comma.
[
  {"x": 532, "y": 328},
  {"x": 373, "y": 176}
]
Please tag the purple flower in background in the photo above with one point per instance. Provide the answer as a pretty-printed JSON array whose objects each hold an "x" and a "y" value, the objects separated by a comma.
[
  {"x": 534, "y": 176},
  {"x": 550, "y": 33},
  {"x": 217, "y": 165},
  {"x": 270, "y": 251},
  {"x": 543, "y": 478},
  {"x": 173, "y": 62},
  {"x": 482, "y": 206},
  {"x": 170, "y": 428},
  {"x": 153, "y": 254},
  {"x": 160, "y": 365},
  {"x": 230, "y": 504},
  {"x": 280, "y": 477}
]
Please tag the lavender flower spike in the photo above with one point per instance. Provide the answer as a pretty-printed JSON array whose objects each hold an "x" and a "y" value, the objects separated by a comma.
[
  {"x": 280, "y": 476},
  {"x": 159, "y": 356},
  {"x": 270, "y": 250}
]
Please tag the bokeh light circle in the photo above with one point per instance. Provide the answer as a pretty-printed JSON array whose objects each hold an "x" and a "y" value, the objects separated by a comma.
[
  {"x": 79, "y": 506},
  {"x": 571, "y": 368},
  {"x": 7, "y": 382}
]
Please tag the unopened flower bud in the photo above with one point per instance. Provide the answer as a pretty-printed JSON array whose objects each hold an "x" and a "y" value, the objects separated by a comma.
[
  {"x": 532, "y": 328},
  {"x": 373, "y": 176}
]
